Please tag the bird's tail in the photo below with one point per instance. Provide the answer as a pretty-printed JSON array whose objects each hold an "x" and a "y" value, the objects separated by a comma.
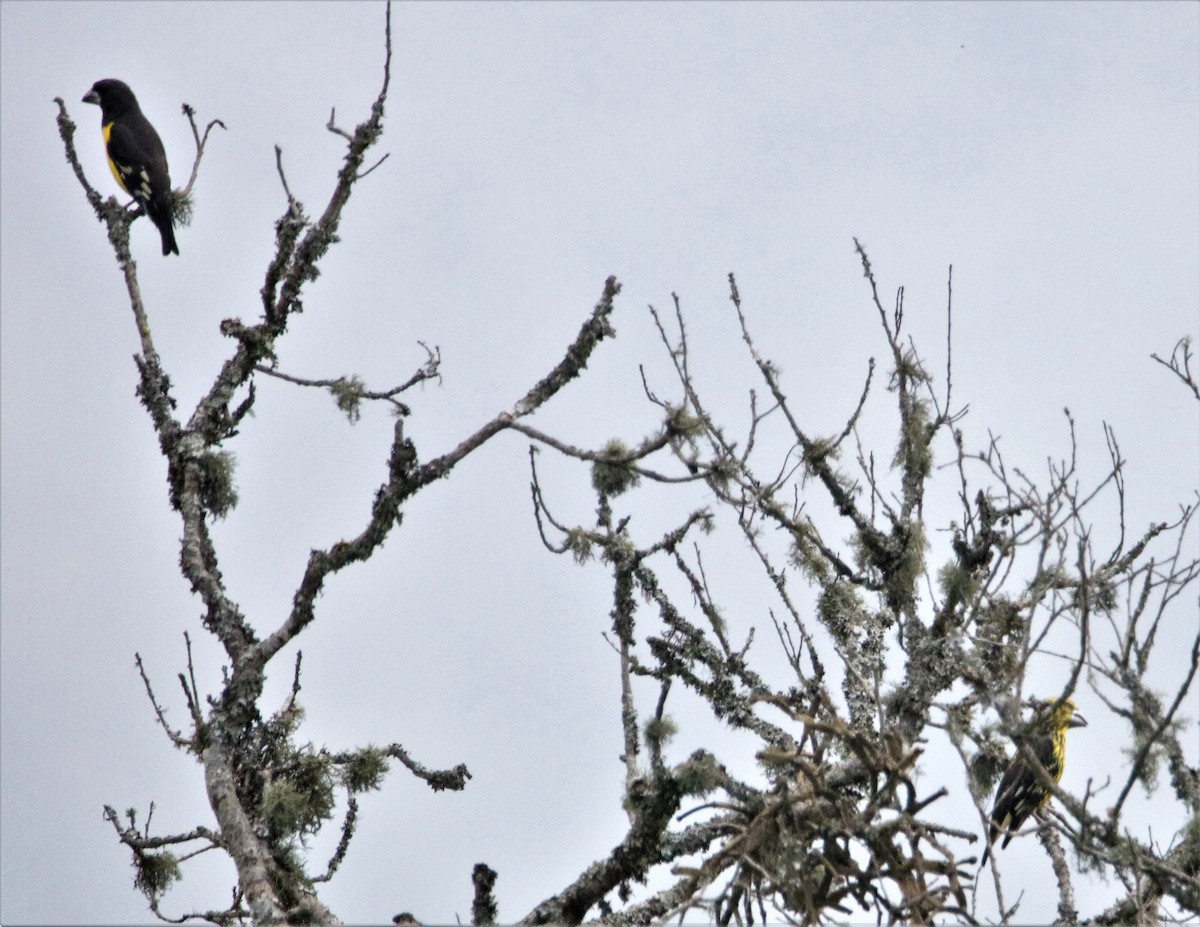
[
  {"x": 168, "y": 238},
  {"x": 166, "y": 228},
  {"x": 160, "y": 215}
]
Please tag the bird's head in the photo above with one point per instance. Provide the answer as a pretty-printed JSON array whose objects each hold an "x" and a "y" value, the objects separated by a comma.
[
  {"x": 112, "y": 96},
  {"x": 1060, "y": 713}
]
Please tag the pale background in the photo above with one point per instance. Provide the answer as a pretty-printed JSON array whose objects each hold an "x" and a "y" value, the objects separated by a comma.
[{"x": 1048, "y": 151}]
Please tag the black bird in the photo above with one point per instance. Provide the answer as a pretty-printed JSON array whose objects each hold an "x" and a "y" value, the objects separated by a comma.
[{"x": 136, "y": 155}]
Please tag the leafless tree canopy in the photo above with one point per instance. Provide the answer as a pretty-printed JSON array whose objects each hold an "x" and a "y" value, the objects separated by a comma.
[{"x": 891, "y": 655}]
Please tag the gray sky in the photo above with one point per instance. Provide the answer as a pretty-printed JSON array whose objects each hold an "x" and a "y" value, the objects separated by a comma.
[{"x": 1048, "y": 151}]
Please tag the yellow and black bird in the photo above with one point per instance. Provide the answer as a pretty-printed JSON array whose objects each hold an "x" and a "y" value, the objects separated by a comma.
[
  {"x": 135, "y": 155},
  {"x": 1020, "y": 792}
]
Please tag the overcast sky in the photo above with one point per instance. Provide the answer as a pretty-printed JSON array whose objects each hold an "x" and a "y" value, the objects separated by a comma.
[{"x": 1049, "y": 152}]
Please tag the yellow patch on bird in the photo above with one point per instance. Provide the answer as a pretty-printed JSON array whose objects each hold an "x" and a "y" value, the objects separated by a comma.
[{"x": 112, "y": 165}]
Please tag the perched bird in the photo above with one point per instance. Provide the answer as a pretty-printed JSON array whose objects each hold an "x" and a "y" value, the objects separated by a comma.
[
  {"x": 1020, "y": 792},
  {"x": 135, "y": 155}
]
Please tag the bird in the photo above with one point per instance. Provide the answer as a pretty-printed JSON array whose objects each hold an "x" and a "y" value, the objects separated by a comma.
[
  {"x": 135, "y": 155},
  {"x": 1020, "y": 792}
]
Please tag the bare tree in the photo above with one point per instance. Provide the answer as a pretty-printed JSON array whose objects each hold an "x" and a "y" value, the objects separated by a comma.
[
  {"x": 889, "y": 654},
  {"x": 267, "y": 792}
]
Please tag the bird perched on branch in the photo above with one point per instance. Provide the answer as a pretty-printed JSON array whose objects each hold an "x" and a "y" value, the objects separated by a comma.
[
  {"x": 1021, "y": 792},
  {"x": 135, "y": 155}
]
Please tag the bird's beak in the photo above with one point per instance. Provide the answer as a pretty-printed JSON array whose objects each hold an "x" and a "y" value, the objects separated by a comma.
[
  {"x": 91, "y": 97},
  {"x": 1077, "y": 720}
]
